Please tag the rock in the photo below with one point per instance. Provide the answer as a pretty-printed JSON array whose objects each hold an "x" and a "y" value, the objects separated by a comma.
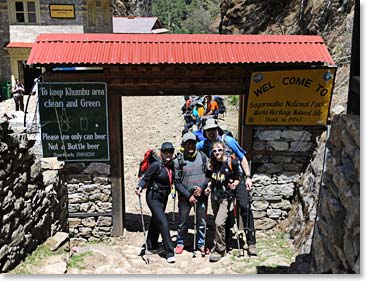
[
  {"x": 54, "y": 242},
  {"x": 98, "y": 168},
  {"x": 51, "y": 163}
]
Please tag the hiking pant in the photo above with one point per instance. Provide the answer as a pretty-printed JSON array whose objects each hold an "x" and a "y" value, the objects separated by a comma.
[
  {"x": 19, "y": 103},
  {"x": 157, "y": 202},
  {"x": 221, "y": 209},
  {"x": 243, "y": 201},
  {"x": 184, "y": 208}
]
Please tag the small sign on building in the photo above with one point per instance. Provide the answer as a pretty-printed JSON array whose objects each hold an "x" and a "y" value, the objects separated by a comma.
[
  {"x": 62, "y": 11},
  {"x": 74, "y": 121},
  {"x": 292, "y": 97}
]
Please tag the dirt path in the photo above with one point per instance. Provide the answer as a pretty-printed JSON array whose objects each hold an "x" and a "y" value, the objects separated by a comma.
[{"x": 147, "y": 122}]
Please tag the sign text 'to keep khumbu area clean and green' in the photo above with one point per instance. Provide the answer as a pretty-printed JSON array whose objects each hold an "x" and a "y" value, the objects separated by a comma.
[{"x": 74, "y": 123}]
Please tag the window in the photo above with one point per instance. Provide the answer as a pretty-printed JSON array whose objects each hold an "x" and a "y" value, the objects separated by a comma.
[
  {"x": 25, "y": 11},
  {"x": 106, "y": 12},
  {"x": 91, "y": 12}
]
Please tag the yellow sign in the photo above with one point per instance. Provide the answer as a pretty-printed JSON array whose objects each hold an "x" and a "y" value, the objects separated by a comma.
[
  {"x": 292, "y": 97},
  {"x": 62, "y": 11}
]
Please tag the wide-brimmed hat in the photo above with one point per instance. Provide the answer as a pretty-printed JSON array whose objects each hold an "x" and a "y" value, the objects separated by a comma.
[
  {"x": 167, "y": 146},
  {"x": 188, "y": 136},
  {"x": 210, "y": 124}
]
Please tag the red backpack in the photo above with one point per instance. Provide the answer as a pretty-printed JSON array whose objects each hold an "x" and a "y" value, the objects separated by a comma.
[{"x": 150, "y": 156}]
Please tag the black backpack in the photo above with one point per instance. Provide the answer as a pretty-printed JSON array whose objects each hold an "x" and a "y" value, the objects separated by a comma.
[{"x": 221, "y": 107}]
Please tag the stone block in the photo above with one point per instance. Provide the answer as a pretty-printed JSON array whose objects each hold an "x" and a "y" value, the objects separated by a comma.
[
  {"x": 265, "y": 224},
  {"x": 301, "y": 146},
  {"x": 281, "y": 159},
  {"x": 51, "y": 163},
  {"x": 277, "y": 146},
  {"x": 50, "y": 177},
  {"x": 98, "y": 168},
  {"x": 269, "y": 168},
  {"x": 259, "y": 214},
  {"x": 268, "y": 135},
  {"x": 293, "y": 167},
  {"x": 104, "y": 221},
  {"x": 260, "y": 205},
  {"x": 88, "y": 207},
  {"x": 54, "y": 242},
  {"x": 89, "y": 222},
  {"x": 292, "y": 135},
  {"x": 274, "y": 213},
  {"x": 78, "y": 198}
]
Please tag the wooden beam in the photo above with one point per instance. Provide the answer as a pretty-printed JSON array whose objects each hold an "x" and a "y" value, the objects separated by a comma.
[{"x": 116, "y": 155}]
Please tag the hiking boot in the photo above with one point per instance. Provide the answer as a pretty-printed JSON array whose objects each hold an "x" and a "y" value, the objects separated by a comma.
[
  {"x": 252, "y": 250},
  {"x": 171, "y": 259},
  {"x": 215, "y": 256},
  {"x": 154, "y": 251},
  {"x": 179, "y": 249}
]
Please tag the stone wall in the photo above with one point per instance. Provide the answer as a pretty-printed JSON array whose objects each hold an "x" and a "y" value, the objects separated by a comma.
[
  {"x": 280, "y": 155},
  {"x": 333, "y": 244},
  {"x": 33, "y": 200},
  {"x": 90, "y": 200},
  {"x": 336, "y": 241},
  {"x": 4, "y": 39}
]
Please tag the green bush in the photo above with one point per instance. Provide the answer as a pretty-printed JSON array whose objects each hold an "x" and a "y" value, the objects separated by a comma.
[{"x": 233, "y": 100}]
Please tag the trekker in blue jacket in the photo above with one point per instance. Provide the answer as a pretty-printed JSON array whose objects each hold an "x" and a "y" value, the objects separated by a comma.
[{"x": 214, "y": 133}]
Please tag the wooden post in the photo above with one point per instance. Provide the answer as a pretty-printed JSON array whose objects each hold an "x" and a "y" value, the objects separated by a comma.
[
  {"x": 117, "y": 172},
  {"x": 245, "y": 132}
]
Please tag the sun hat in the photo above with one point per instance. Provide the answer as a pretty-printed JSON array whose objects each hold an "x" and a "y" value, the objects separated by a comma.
[{"x": 212, "y": 123}]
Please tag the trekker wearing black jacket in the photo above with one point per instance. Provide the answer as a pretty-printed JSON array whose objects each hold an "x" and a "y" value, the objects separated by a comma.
[{"x": 158, "y": 180}]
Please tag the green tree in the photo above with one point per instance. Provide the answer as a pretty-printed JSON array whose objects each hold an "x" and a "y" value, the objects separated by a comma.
[{"x": 186, "y": 16}]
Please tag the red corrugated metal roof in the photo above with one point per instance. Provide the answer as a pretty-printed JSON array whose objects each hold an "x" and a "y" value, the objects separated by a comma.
[
  {"x": 19, "y": 45},
  {"x": 177, "y": 49}
]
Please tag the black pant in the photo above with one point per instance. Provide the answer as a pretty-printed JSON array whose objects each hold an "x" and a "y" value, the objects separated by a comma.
[
  {"x": 19, "y": 104},
  {"x": 157, "y": 202},
  {"x": 243, "y": 201}
]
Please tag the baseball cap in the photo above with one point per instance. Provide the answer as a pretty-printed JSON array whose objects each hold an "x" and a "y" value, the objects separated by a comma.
[
  {"x": 167, "y": 146},
  {"x": 188, "y": 136}
]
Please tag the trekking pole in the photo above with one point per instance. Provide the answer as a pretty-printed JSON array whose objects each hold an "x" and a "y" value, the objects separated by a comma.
[
  {"x": 173, "y": 195},
  {"x": 194, "y": 252},
  {"x": 145, "y": 235},
  {"x": 236, "y": 226},
  {"x": 206, "y": 221}
]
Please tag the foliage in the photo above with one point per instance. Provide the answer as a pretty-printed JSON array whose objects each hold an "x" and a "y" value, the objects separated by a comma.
[
  {"x": 186, "y": 16},
  {"x": 35, "y": 259},
  {"x": 76, "y": 260},
  {"x": 233, "y": 100}
]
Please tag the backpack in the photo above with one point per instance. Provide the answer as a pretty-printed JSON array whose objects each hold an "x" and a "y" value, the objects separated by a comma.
[
  {"x": 150, "y": 156},
  {"x": 221, "y": 107}
]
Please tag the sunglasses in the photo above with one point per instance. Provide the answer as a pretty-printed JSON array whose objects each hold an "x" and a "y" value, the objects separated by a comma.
[{"x": 217, "y": 150}]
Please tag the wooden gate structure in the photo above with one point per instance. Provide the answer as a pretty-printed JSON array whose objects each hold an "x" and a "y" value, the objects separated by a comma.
[{"x": 170, "y": 65}]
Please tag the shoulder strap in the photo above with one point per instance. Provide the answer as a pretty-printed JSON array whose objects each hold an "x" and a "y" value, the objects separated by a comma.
[
  {"x": 181, "y": 163},
  {"x": 204, "y": 161},
  {"x": 206, "y": 147},
  {"x": 229, "y": 162}
]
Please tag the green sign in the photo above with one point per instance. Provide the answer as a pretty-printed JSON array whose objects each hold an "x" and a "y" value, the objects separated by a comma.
[{"x": 74, "y": 123}]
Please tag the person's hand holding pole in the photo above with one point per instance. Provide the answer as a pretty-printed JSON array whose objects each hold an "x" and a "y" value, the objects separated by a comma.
[{"x": 138, "y": 190}]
